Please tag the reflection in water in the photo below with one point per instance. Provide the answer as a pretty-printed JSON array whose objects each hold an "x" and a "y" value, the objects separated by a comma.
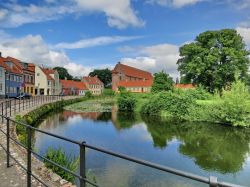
[
  {"x": 206, "y": 149},
  {"x": 213, "y": 147}
]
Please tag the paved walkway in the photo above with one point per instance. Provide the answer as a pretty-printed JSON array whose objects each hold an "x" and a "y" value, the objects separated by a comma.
[{"x": 15, "y": 176}]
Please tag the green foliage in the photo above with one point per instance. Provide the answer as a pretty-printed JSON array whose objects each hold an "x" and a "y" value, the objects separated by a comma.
[
  {"x": 105, "y": 75},
  {"x": 88, "y": 94},
  {"x": 214, "y": 59},
  {"x": 232, "y": 108},
  {"x": 108, "y": 92},
  {"x": 63, "y": 73},
  {"x": 198, "y": 93},
  {"x": 121, "y": 89},
  {"x": 174, "y": 105},
  {"x": 60, "y": 157},
  {"x": 162, "y": 82},
  {"x": 126, "y": 102}
]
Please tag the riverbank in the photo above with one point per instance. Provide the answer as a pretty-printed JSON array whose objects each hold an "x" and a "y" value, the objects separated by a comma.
[{"x": 19, "y": 153}]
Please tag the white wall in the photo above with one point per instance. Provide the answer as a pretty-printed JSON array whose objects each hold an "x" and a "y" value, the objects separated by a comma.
[
  {"x": 2, "y": 82},
  {"x": 41, "y": 81}
]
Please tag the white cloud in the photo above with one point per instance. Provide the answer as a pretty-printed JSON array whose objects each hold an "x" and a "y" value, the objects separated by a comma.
[
  {"x": 33, "y": 49},
  {"x": 119, "y": 14},
  {"x": 175, "y": 3},
  {"x": 245, "y": 33},
  {"x": 155, "y": 58},
  {"x": 98, "y": 41}
]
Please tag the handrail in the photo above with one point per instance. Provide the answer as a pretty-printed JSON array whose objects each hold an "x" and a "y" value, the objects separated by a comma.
[{"x": 212, "y": 181}]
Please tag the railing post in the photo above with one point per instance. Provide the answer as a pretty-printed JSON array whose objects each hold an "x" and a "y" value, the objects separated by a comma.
[
  {"x": 15, "y": 105},
  {"x": 23, "y": 104},
  {"x": 19, "y": 104},
  {"x": 28, "y": 129},
  {"x": 213, "y": 181},
  {"x": 10, "y": 107},
  {"x": 6, "y": 114},
  {"x": 8, "y": 142},
  {"x": 82, "y": 164},
  {"x": 2, "y": 112}
]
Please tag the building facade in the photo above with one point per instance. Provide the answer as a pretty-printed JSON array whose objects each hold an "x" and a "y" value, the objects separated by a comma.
[
  {"x": 2, "y": 82},
  {"x": 132, "y": 79},
  {"x": 13, "y": 78},
  {"x": 94, "y": 85},
  {"x": 28, "y": 72},
  {"x": 71, "y": 87},
  {"x": 46, "y": 81}
]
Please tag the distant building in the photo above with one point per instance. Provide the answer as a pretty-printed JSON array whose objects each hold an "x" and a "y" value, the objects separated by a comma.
[
  {"x": 133, "y": 79},
  {"x": 71, "y": 87},
  {"x": 94, "y": 84},
  {"x": 47, "y": 81},
  {"x": 28, "y": 71},
  {"x": 184, "y": 86},
  {"x": 2, "y": 82},
  {"x": 13, "y": 77}
]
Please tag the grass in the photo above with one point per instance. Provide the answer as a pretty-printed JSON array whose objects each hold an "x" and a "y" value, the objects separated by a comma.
[{"x": 104, "y": 104}]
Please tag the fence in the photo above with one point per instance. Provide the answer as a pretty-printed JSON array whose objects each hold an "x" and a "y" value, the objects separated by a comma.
[{"x": 81, "y": 176}]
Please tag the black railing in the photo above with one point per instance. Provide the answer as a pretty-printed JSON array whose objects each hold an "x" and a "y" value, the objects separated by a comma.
[{"x": 81, "y": 176}]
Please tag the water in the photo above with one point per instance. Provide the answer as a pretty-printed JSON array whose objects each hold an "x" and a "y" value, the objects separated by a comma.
[{"x": 199, "y": 148}]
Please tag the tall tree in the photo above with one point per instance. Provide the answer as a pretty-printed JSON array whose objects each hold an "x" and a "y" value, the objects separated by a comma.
[
  {"x": 162, "y": 82},
  {"x": 63, "y": 73},
  {"x": 214, "y": 59},
  {"x": 105, "y": 75}
]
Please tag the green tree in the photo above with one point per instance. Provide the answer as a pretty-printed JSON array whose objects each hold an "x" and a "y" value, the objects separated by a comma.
[
  {"x": 63, "y": 73},
  {"x": 162, "y": 82},
  {"x": 105, "y": 75},
  {"x": 214, "y": 59}
]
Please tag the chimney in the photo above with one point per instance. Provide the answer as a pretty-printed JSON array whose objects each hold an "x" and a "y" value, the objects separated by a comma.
[
  {"x": 65, "y": 78},
  {"x": 0, "y": 54}
]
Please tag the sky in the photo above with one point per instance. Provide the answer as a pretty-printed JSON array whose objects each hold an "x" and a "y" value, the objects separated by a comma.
[{"x": 82, "y": 35}]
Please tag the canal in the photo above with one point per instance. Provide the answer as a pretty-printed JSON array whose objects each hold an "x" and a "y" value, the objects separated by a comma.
[{"x": 199, "y": 148}]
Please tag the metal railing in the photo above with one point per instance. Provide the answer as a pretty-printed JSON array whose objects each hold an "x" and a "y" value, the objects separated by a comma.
[{"x": 81, "y": 176}]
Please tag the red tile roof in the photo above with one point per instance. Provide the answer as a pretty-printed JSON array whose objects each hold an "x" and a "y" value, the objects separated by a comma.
[
  {"x": 47, "y": 72},
  {"x": 141, "y": 83},
  {"x": 133, "y": 72},
  {"x": 93, "y": 80},
  {"x": 18, "y": 63},
  {"x": 14, "y": 69},
  {"x": 184, "y": 86},
  {"x": 73, "y": 84}
]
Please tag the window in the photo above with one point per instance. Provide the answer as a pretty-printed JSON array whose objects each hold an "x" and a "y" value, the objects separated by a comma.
[
  {"x": 38, "y": 74},
  {"x": 1, "y": 87},
  {"x": 49, "y": 83},
  {"x": 1, "y": 72},
  {"x": 7, "y": 76}
]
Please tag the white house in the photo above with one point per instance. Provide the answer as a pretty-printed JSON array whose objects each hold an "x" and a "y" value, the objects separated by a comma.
[{"x": 2, "y": 82}]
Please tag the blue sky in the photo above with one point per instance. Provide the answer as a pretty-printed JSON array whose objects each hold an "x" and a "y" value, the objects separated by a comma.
[{"x": 81, "y": 35}]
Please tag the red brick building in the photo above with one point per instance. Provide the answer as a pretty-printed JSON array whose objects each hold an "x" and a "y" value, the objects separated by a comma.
[{"x": 133, "y": 79}]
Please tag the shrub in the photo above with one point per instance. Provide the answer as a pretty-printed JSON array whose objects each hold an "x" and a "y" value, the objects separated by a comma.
[
  {"x": 121, "y": 89},
  {"x": 108, "y": 92},
  {"x": 126, "y": 102},
  {"x": 235, "y": 108},
  {"x": 88, "y": 94},
  {"x": 175, "y": 105},
  {"x": 59, "y": 157}
]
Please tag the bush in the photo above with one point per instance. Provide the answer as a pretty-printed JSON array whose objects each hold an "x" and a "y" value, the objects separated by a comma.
[
  {"x": 88, "y": 94},
  {"x": 108, "y": 92},
  {"x": 232, "y": 108},
  {"x": 126, "y": 102},
  {"x": 174, "y": 105},
  {"x": 235, "y": 108},
  {"x": 59, "y": 157}
]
